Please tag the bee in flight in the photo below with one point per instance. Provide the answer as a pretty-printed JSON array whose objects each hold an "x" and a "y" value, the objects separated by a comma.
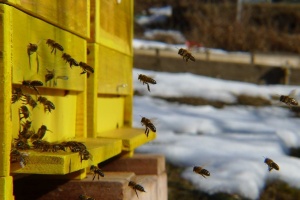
[
  {"x": 271, "y": 164},
  {"x": 136, "y": 187},
  {"x": 199, "y": 170},
  {"x": 32, "y": 84},
  {"x": 32, "y": 48},
  {"x": 148, "y": 124},
  {"x": 186, "y": 55},
  {"x": 96, "y": 171},
  {"x": 54, "y": 45},
  {"x": 146, "y": 80},
  {"x": 288, "y": 99}
]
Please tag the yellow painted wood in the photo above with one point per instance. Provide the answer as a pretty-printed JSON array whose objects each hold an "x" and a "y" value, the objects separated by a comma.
[
  {"x": 114, "y": 72},
  {"x": 71, "y": 15},
  {"x": 61, "y": 122},
  {"x": 112, "y": 24},
  {"x": 131, "y": 137},
  {"x": 66, "y": 162},
  {"x": 6, "y": 183},
  {"x": 92, "y": 88},
  {"x": 110, "y": 113},
  {"x": 6, "y": 188},
  {"x": 27, "y": 29}
]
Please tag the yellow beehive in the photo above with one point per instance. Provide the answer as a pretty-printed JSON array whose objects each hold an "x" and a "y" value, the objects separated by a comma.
[
  {"x": 71, "y": 15},
  {"x": 96, "y": 110},
  {"x": 67, "y": 121},
  {"x": 110, "y": 90}
]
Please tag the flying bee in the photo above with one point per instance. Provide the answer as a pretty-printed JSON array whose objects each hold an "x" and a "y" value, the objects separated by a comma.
[
  {"x": 17, "y": 156},
  {"x": 29, "y": 100},
  {"x": 23, "y": 111},
  {"x": 70, "y": 60},
  {"x": 288, "y": 99},
  {"x": 96, "y": 171},
  {"x": 146, "y": 80},
  {"x": 42, "y": 131},
  {"x": 271, "y": 164},
  {"x": 148, "y": 124},
  {"x": 32, "y": 84},
  {"x": 16, "y": 95},
  {"x": 31, "y": 48},
  {"x": 85, "y": 197},
  {"x": 49, "y": 76},
  {"x": 86, "y": 68},
  {"x": 199, "y": 170},
  {"x": 136, "y": 187},
  {"x": 54, "y": 45},
  {"x": 186, "y": 55},
  {"x": 48, "y": 105}
]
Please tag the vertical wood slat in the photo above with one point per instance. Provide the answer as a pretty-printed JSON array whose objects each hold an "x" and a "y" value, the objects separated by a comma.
[{"x": 5, "y": 101}]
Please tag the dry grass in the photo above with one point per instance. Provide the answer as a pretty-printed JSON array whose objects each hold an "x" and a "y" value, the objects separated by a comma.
[{"x": 262, "y": 27}]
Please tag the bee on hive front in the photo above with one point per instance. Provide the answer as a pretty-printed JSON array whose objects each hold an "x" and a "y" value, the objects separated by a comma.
[
  {"x": 136, "y": 187},
  {"x": 271, "y": 164},
  {"x": 32, "y": 84},
  {"x": 186, "y": 55},
  {"x": 48, "y": 105},
  {"x": 148, "y": 124},
  {"x": 17, "y": 156},
  {"x": 69, "y": 60},
  {"x": 96, "y": 171},
  {"x": 146, "y": 80},
  {"x": 16, "y": 95},
  {"x": 23, "y": 111},
  {"x": 29, "y": 100},
  {"x": 86, "y": 68},
  {"x": 54, "y": 45},
  {"x": 199, "y": 170}
]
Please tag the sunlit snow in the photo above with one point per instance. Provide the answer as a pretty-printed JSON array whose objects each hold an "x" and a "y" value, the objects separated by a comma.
[{"x": 230, "y": 142}]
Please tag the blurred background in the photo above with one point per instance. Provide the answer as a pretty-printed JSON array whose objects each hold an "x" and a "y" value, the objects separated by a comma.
[{"x": 249, "y": 50}]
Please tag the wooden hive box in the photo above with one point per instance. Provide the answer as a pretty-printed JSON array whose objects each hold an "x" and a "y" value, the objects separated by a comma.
[
  {"x": 70, "y": 15},
  {"x": 110, "y": 89},
  {"x": 67, "y": 90}
]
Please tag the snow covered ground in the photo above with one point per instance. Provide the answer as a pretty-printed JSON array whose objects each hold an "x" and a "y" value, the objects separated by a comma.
[{"x": 231, "y": 142}]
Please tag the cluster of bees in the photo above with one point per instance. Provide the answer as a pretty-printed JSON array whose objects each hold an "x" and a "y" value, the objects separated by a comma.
[
  {"x": 26, "y": 134},
  {"x": 289, "y": 100}
]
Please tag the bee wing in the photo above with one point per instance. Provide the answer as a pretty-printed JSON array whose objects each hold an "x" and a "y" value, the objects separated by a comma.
[{"x": 293, "y": 93}]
